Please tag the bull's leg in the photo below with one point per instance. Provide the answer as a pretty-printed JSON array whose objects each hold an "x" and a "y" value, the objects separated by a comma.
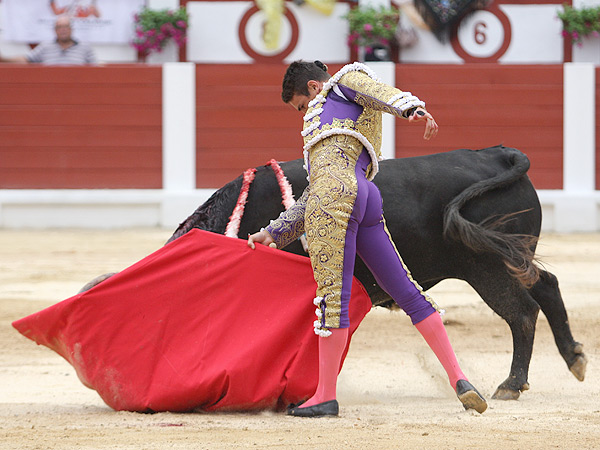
[
  {"x": 514, "y": 304},
  {"x": 547, "y": 294}
]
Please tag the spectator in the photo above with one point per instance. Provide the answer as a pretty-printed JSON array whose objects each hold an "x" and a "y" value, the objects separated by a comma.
[{"x": 63, "y": 51}]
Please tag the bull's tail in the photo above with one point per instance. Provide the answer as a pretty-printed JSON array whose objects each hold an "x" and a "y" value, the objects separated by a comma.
[{"x": 516, "y": 250}]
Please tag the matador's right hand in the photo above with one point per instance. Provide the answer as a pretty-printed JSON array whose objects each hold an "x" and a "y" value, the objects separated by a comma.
[{"x": 262, "y": 237}]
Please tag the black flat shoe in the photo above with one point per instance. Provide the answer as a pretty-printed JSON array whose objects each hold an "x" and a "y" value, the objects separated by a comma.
[
  {"x": 470, "y": 397},
  {"x": 330, "y": 408}
]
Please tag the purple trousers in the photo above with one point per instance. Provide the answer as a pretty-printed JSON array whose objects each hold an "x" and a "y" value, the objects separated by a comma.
[{"x": 367, "y": 236}]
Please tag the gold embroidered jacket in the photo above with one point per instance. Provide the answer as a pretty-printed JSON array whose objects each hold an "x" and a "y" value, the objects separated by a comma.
[{"x": 351, "y": 103}]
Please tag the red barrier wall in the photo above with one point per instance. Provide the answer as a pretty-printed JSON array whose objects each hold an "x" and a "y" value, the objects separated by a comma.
[
  {"x": 242, "y": 121},
  {"x": 482, "y": 105},
  {"x": 80, "y": 127},
  {"x": 100, "y": 127}
]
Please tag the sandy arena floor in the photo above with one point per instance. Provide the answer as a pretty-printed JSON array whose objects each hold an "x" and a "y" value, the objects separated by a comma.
[{"x": 392, "y": 391}]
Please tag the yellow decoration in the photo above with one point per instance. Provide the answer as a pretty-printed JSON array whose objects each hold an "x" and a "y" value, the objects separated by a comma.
[
  {"x": 273, "y": 10},
  {"x": 323, "y": 6}
]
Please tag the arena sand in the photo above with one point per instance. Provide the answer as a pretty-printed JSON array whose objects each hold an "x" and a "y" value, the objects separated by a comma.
[{"x": 392, "y": 391}]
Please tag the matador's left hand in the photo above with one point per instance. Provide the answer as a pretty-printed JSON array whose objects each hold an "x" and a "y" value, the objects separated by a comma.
[{"x": 431, "y": 127}]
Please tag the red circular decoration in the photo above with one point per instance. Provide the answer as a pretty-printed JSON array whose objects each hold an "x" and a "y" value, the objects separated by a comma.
[
  {"x": 267, "y": 58},
  {"x": 467, "y": 57}
]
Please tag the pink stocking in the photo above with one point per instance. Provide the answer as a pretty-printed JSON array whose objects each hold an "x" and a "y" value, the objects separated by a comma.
[
  {"x": 432, "y": 329},
  {"x": 331, "y": 349}
]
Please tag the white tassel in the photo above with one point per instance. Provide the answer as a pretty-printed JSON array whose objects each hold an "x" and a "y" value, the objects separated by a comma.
[{"x": 323, "y": 332}]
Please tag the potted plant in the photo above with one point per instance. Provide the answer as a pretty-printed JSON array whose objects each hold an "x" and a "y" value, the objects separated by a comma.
[
  {"x": 579, "y": 23},
  {"x": 372, "y": 31},
  {"x": 155, "y": 28}
]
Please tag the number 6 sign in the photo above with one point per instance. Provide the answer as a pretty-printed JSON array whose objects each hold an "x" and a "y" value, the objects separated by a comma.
[{"x": 483, "y": 36}]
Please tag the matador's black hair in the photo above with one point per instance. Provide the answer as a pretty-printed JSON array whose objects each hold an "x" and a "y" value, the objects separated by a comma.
[{"x": 298, "y": 74}]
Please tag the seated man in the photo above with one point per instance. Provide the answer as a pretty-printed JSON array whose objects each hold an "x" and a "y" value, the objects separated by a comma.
[{"x": 63, "y": 51}]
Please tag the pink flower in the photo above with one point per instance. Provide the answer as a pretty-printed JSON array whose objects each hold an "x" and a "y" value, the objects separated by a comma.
[
  {"x": 595, "y": 33},
  {"x": 368, "y": 27},
  {"x": 181, "y": 24},
  {"x": 565, "y": 33},
  {"x": 575, "y": 35}
]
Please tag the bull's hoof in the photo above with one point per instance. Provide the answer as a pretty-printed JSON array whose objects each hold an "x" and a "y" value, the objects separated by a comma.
[
  {"x": 579, "y": 366},
  {"x": 99, "y": 279},
  {"x": 506, "y": 394}
]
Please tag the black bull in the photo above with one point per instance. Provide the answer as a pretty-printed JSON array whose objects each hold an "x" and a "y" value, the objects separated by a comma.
[{"x": 470, "y": 215}]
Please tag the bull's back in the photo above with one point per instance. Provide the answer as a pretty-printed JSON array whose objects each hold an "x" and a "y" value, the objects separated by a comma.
[
  {"x": 416, "y": 192},
  {"x": 419, "y": 188}
]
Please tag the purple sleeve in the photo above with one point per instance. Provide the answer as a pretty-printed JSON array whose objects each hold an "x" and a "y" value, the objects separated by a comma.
[{"x": 289, "y": 226}]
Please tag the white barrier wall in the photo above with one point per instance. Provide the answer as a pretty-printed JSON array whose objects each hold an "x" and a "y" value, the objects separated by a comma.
[
  {"x": 576, "y": 208},
  {"x": 226, "y": 31}
]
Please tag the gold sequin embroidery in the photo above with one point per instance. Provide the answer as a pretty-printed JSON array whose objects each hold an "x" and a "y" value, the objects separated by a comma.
[{"x": 328, "y": 209}]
